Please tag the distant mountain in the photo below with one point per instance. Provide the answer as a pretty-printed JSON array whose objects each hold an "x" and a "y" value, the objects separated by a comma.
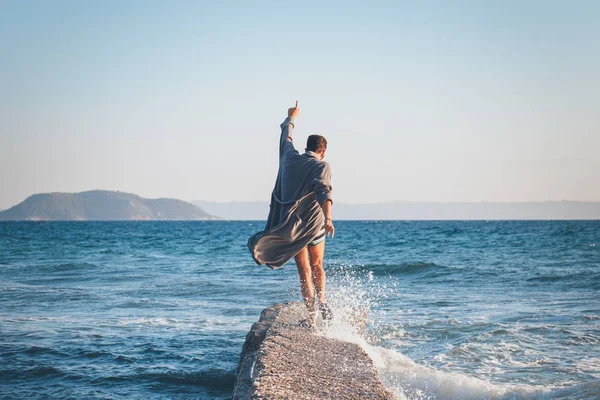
[
  {"x": 398, "y": 210},
  {"x": 97, "y": 205}
]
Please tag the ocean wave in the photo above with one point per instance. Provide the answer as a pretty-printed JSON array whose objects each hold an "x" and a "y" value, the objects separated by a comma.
[
  {"x": 453, "y": 231},
  {"x": 41, "y": 350},
  {"x": 214, "y": 379},
  {"x": 583, "y": 391},
  {"x": 38, "y": 371},
  {"x": 67, "y": 267},
  {"x": 410, "y": 268},
  {"x": 585, "y": 279},
  {"x": 411, "y": 381}
]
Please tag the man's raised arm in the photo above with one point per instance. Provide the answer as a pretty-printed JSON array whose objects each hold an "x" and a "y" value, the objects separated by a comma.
[{"x": 286, "y": 144}]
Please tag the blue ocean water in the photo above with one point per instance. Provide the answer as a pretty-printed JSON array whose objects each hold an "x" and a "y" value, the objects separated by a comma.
[{"x": 456, "y": 310}]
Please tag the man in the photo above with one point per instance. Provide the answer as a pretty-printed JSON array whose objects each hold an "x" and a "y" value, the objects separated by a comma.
[{"x": 299, "y": 217}]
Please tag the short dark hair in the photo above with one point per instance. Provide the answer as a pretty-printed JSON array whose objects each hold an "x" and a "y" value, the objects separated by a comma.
[{"x": 316, "y": 143}]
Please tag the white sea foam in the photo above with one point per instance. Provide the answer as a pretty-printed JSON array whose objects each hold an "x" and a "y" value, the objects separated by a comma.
[
  {"x": 405, "y": 378},
  {"x": 191, "y": 324},
  {"x": 350, "y": 300},
  {"x": 591, "y": 366},
  {"x": 410, "y": 381}
]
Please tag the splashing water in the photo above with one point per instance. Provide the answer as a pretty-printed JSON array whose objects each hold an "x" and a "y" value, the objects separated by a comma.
[{"x": 356, "y": 299}]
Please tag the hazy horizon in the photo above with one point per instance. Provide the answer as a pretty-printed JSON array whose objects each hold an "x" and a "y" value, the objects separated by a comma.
[
  {"x": 425, "y": 101},
  {"x": 266, "y": 201},
  {"x": 108, "y": 205}
]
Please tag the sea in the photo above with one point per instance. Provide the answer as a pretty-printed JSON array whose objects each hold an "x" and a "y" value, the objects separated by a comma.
[{"x": 160, "y": 310}]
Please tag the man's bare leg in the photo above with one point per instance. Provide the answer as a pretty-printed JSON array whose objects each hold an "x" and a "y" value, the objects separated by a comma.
[
  {"x": 306, "y": 284},
  {"x": 316, "y": 254}
]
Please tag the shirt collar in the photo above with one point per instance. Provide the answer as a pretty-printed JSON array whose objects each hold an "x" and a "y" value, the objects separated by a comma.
[{"x": 311, "y": 154}]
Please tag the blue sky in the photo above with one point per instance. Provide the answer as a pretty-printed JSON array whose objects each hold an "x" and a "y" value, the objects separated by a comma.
[{"x": 420, "y": 101}]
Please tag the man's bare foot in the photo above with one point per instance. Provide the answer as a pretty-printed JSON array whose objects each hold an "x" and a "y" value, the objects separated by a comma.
[
  {"x": 306, "y": 324},
  {"x": 309, "y": 322}
]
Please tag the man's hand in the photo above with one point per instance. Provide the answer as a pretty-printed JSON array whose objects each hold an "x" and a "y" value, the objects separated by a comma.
[
  {"x": 329, "y": 229},
  {"x": 294, "y": 111},
  {"x": 326, "y": 206}
]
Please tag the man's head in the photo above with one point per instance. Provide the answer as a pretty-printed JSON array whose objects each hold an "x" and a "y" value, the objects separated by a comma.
[{"x": 317, "y": 144}]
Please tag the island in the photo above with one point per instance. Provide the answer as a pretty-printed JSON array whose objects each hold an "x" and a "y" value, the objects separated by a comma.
[{"x": 102, "y": 205}]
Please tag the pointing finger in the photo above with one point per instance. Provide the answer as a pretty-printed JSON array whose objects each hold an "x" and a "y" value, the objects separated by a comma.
[{"x": 296, "y": 103}]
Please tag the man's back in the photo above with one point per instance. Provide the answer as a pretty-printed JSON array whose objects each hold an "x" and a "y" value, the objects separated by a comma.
[{"x": 299, "y": 175}]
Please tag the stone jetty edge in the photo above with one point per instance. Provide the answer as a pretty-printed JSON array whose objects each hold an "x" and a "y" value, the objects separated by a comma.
[{"x": 281, "y": 360}]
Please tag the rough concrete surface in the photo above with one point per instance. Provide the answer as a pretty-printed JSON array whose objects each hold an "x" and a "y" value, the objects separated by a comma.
[{"x": 281, "y": 360}]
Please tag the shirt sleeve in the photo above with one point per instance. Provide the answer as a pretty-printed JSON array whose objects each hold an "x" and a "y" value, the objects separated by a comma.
[
  {"x": 322, "y": 185},
  {"x": 286, "y": 144}
]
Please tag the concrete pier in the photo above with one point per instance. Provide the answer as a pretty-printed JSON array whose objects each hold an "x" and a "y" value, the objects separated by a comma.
[{"x": 281, "y": 360}]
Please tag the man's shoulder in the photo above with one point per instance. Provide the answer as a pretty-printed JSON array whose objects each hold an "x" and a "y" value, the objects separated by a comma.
[
  {"x": 324, "y": 164},
  {"x": 320, "y": 167}
]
